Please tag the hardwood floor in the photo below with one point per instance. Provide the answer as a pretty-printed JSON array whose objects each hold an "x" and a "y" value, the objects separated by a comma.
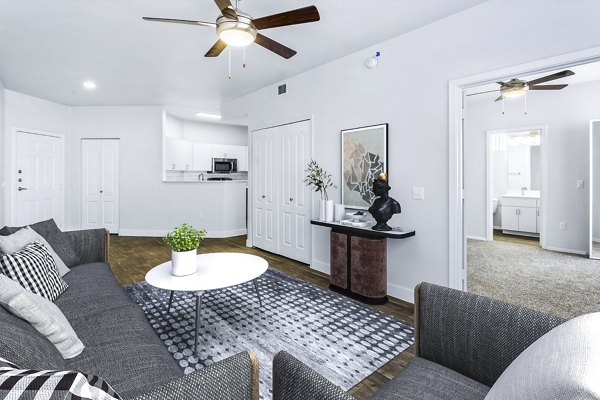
[
  {"x": 503, "y": 237},
  {"x": 132, "y": 257}
]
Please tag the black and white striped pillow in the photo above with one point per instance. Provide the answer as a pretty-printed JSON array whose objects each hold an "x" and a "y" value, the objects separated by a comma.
[
  {"x": 18, "y": 383},
  {"x": 34, "y": 268}
]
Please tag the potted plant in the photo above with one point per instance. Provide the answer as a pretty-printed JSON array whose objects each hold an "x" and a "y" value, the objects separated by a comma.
[
  {"x": 320, "y": 180},
  {"x": 183, "y": 241}
]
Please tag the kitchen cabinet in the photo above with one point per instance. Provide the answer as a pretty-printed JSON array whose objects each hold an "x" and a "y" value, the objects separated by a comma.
[
  {"x": 178, "y": 154},
  {"x": 224, "y": 151},
  {"x": 520, "y": 214},
  {"x": 202, "y": 160},
  {"x": 242, "y": 157}
]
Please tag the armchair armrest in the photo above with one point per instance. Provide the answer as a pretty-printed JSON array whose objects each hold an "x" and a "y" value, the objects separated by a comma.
[
  {"x": 91, "y": 245},
  {"x": 235, "y": 378},
  {"x": 474, "y": 335},
  {"x": 293, "y": 380}
]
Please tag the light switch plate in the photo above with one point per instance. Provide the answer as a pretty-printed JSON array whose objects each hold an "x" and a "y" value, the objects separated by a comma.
[
  {"x": 580, "y": 184},
  {"x": 418, "y": 193}
]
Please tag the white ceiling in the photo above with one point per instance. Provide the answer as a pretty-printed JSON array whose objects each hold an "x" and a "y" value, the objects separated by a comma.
[{"x": 48, "y": 48}]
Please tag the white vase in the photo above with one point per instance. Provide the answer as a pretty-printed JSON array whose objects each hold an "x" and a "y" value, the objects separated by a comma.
[
  {"x": 183, "y": 262},
  {"x": 328, "y": 210},
  {"x": 322, "y": 209},
  {"x": 339, "y": 213}
]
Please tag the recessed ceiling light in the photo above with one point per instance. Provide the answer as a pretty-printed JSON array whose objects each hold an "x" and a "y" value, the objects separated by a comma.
[
  {"x": 207, "y": 115},
  {"x": 89, "y": 85}
]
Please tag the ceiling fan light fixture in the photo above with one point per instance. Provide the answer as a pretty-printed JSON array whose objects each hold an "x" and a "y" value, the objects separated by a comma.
[{"x": 237, "y": 37}]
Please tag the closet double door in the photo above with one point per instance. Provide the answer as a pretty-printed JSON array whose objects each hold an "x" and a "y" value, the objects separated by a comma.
[{"x": 281, "y": 199}]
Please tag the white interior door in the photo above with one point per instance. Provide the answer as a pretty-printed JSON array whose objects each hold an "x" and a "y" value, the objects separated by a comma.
[
  {"x": 100, "y": 185},
  {"x": 265, "y": 232},
  {"x": 38, "y": 178},
  {"x": 295, "y": 195}
]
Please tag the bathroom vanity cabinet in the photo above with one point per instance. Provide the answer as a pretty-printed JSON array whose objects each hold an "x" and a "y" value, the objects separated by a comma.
[{"x": 521, "y": 215}]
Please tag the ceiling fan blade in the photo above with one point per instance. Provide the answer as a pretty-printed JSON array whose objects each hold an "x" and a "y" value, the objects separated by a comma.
[
  {"x": 226, "y": 8},
  {"x": 488, "y": 91},
  {"x": 180, "y": 21},
  {"x": 216, "y": 49},
  {"x": 558, "y": 75},
  {"x": 499, "y": 98},
  {"x": 294, "y": 17},
  {"x": 274, "y": 46},
  {"x": 547, "y": 87}
]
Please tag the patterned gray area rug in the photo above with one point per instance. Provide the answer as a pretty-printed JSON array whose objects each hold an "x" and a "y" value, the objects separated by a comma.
[{"x": 342, "y": 340}]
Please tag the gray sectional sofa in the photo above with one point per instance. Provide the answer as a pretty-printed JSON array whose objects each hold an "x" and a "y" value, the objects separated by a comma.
[
  {"x": 121, "y": 346},
  {"x": 463, "y": 344}
]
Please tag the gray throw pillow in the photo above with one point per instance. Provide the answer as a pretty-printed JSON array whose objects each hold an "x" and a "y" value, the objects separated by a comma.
[
  {"x": 45, "y": 228},
  {"x": 563, "y": 364},
  {"x": 42, "y": 314},
  {"x": 15, "y": 242}
]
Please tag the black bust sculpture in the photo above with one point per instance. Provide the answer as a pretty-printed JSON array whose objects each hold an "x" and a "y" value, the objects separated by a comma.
[{"x": 384, "y": 207}]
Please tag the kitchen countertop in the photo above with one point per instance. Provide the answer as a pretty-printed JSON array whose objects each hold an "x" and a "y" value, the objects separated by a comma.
[{"x": 205, "y": 181}]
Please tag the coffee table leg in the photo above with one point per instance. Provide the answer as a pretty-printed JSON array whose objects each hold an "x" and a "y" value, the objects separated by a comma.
[
  {"x": 257, "y": 292},
  {"x": 198, "y": 312},
  {"x": 170, "y": 301}
]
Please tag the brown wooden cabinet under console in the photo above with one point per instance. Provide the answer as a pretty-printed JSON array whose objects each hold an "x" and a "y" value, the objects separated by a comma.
[{"x": 358, "y": 260}]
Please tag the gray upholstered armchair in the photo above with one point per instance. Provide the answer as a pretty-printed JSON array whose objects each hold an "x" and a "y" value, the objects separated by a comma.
[{"x": 463, "y": 343}]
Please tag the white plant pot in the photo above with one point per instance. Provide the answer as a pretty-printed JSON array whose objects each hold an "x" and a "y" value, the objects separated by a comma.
[
  {"x": 183, "y": 262},
  {"x": 322, "y": 210},
  {"x": 328, "y": 210}
]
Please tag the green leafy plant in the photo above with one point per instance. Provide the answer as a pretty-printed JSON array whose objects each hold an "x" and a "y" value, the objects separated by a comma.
[
  {"x": 319, "y": 179},
  {"x": 184, "y": 238}
]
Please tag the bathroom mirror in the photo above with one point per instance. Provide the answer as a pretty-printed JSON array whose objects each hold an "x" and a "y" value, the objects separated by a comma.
[{"x": 594, "y": 244}]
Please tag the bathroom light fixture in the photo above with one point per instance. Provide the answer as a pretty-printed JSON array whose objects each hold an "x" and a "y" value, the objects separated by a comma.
[
  {"x": 89, "y": 85},
  {"x": 208, "y": 115}
]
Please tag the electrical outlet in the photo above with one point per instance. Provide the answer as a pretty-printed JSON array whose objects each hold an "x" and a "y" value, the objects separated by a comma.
[
  {"x": 563, "y": 226},
  {"x": 418, "y": 193},
  {"x": 580, "y": 184}
]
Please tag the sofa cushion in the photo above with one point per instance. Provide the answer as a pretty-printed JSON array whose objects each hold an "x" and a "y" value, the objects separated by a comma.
[
  {"x": 34, "y": 269},
  {"x": 562, "y": 364},
  {"x": 60, "y": 244},
  {"x": 23, "y": 345},
  {"x": 424, "y": 380},
  {"x": 42, "y": 314},
  {"x": 17, "y": 383},
  {"x": 92, "y": 289},
  {"x": 16, "y": 241},
  {"x": 123, "y": 349}
]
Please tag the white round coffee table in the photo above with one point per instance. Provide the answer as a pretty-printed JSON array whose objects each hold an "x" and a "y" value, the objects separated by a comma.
[{"x": 215, "y": 271}]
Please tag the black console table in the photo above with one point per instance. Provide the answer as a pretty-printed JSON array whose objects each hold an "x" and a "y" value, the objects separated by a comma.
[{"x": 358, "y": 260}]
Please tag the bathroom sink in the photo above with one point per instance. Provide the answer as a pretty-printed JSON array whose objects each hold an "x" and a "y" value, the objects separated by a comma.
[{"x": 527, "y": 194}]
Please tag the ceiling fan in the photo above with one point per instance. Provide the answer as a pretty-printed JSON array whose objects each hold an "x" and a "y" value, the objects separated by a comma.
[
  {"x": 517, "y": 87},
  {"x": 237, "y": 28}
]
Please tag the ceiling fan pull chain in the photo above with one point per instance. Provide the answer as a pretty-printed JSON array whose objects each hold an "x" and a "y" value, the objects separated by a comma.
[
  {"x": 525, "y": 103},
  {"x": 502, "y": 105},
  {"x": 244, "y": 63},
  {"x": 229, "y": 62}
]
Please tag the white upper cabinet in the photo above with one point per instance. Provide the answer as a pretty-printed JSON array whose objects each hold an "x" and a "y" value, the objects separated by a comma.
[
  {"x": 224, "y": 151},
  {"x": 178, "y": 154},
  {"x": 202, "y": 157}
]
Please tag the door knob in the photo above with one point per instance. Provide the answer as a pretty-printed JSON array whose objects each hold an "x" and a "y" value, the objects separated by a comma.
[
  {"x": 101, "y": 191},
  {"x": 291, "y": 199},
  {"x": 263, "y": 196},
  {"x": 21, "y": 189}
]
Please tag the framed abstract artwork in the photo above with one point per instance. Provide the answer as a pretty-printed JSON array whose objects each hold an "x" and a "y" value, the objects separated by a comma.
[{"x": 364, "y": 156}]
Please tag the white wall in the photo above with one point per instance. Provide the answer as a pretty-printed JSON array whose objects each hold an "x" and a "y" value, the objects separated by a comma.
[
  {"x": 150, "y": 207},
  {"x": 202, "y": 132},
  {"x": 409, "y": 90},
  {"x": 173, "y": 126},
  {"x": 2, "y": 157},
  {"x": 567, "y": 114},
  {"x": 31, "y": 113}
]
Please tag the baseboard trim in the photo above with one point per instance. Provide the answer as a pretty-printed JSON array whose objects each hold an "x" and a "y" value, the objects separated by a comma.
[
  {"x": 163, "y": 232},
  {"x": 570, "y": 251},
  {"x": 401, "y": 292},
  {"x": 320, "y": 266},
  {"x": 477, "y": 238}
]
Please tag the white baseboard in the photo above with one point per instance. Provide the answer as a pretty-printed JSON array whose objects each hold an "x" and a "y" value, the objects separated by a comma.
[
  {"x": 477, "y": 238},
  {"x": 320, "y": 266},
  {"x": 401, "y": 292},
  {"x": 163, "y": 232},
  {"x": 571, "y": 251},
  {"x": 499, "y": 227}
]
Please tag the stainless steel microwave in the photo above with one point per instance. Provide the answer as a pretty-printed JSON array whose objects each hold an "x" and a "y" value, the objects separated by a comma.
[{"x": 224, "y": 165}]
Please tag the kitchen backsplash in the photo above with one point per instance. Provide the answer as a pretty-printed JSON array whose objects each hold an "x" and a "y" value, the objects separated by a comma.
[{"x": 195, "y": 176}]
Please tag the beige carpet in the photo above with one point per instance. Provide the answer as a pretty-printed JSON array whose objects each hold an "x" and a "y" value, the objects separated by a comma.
[{"x": 557, "y": 283}]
